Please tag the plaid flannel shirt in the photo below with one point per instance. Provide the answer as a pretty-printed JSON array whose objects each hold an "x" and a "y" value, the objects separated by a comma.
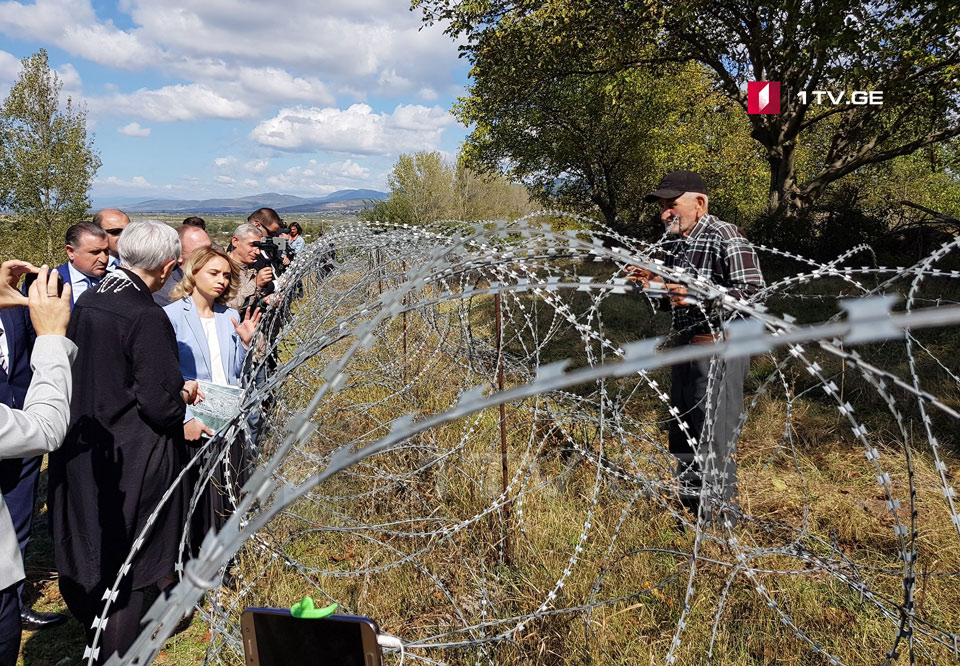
[{"x": 716, "y": 251}]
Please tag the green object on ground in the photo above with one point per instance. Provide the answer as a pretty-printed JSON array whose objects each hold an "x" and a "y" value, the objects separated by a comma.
[{"x": 306, "y": 610}]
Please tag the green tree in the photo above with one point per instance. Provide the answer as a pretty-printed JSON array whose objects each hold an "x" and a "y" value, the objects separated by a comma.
[
  {"x": 420, "y": 188},
  {"x": 425, "y": 188},
  {"x": 906, "y": 48},
  {"x": 479, "y": 196},
  {"x": 600, "y": 142},
  {"x": 47, "y": 163}
]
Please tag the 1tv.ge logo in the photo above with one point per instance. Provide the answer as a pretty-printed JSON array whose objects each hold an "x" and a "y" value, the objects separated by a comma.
[{"x": 764, "y": 97}]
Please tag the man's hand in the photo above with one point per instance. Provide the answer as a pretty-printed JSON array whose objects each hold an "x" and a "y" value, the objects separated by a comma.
[
  {"x": 264, "y": 276},
  {"x": 193, "y": 428},
  {"x": 273, "y": 298},
  {"x": 10, "y": 272},
  {"x": 49, "y": 313},
  {"x": 641, "y": 275},
  {"x": 246, "y": 329},
  {"x": 678, "y": 295},
  {"x": 286, "y": 261}
]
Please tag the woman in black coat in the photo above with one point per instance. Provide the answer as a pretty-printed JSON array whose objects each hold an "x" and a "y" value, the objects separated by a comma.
[{"x": 119, "y": 456}]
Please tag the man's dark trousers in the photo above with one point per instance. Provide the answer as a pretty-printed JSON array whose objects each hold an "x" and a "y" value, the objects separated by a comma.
[
  {"x": 9, "y": 626},
  {"x": 18, "y": 482},
  {"x": 716, "y": 434}
]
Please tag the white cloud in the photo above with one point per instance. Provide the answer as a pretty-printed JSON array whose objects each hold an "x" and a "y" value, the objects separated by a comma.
[
  {"x": 9, "y": 71},
  {"x": 320, "y": 178},
  {"x": 225, "y": 180},
  {"x": 229, "y": 160},
  {"x": 356, "y": 129},
  {"x": 250, "y": 182},
  {"x": 257, "y": 166},
  {"x": 428, "y": 94},
  {"x": 277, "y": 85},
  {"x": 391, "y": 83},
  {"x": 273, "y": 50},
  {"x": 69, "y": 77},
  {"x": 134, "y": 129},
  {"x": 172, "y": 103},
  {"x": 136, "y": 181},
  {"x": 104, "y": 44},
  {"x": 73, "y": 26}
]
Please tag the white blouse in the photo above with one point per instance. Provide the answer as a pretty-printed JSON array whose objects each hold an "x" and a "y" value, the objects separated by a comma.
[{"x": 213, "y": 344}]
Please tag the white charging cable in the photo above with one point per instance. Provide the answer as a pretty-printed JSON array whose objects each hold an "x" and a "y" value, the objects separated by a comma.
[{"x": 388, "y": 641}]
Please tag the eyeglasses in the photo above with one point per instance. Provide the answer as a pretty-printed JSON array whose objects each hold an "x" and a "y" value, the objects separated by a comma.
[{"x": 114, "y": 232}]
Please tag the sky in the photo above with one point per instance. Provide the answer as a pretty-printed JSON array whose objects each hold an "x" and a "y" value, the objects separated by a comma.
[{"x": 193, "y": 99}]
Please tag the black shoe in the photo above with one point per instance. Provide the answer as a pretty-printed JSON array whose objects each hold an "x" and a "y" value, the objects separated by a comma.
[
  {"x": 33, "y": 620},
  {"x": 229, "y": 580}
]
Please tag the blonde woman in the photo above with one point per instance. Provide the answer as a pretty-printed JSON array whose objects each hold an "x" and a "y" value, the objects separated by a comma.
[
  {"x": 212, "y": 344},
  {"x": 210, "y": 338}
]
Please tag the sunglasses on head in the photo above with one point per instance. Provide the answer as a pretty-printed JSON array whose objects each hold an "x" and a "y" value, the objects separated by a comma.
[{"x": 114, "y": 232}]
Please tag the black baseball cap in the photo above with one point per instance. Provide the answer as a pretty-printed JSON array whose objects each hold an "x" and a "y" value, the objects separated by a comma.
[{"x": 676, "y": 183}]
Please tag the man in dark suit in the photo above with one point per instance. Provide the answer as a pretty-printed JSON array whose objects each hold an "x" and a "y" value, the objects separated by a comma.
[
  {"x": 18, "y": 476},
  {"x": 119, "y": 455},
  {"x": 88, "y": 251}
]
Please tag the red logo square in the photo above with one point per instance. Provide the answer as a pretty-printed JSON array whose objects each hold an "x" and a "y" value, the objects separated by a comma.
[{"x": 763, "y": 97}]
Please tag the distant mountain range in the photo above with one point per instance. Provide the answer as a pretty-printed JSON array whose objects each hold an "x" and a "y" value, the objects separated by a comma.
[{"x": 339, "y": 201}]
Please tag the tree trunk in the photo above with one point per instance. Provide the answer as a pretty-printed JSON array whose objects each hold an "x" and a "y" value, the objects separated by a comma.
[
  {"x": 609, "y": 212},
  {"x": 785, "y": 198},
  {"x": 50, "y": 260}
]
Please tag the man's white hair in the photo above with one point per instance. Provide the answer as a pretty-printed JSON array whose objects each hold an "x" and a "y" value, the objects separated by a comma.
[
  {"x": 247, "y": 229},
  {"x": 694, "y": 195},
  {"x": 148, "y": 245}
]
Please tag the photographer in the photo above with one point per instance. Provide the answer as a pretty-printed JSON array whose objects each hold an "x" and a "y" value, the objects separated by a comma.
[
  {"x": 39, "y": 426},
  {"x": 253, "y": 280},
  {"x": 274, "y": 249}
]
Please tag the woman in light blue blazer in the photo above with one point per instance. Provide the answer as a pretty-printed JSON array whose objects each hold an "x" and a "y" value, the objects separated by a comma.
[
  {"x": 210, "y": 338},
  {"x": 212, "y": 344}
]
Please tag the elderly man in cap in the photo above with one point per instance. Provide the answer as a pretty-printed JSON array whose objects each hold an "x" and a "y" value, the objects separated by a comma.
[{"x": 704, "y": 431}]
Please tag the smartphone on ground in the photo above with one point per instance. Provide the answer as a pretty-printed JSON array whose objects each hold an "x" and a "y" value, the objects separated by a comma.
[{"x": 274, "y": 637}]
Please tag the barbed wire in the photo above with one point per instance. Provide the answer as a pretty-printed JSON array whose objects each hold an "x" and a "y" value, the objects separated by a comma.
[{"x": 459, "y": 430}]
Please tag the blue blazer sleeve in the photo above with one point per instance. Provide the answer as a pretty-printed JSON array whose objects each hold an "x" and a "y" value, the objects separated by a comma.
[
  {"x": 231, "y": 346},
  {"x": 188, "y": 364}
]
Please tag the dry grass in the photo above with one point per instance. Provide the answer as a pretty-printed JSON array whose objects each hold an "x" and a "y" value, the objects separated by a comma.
[{"x": 816, "y": 498}]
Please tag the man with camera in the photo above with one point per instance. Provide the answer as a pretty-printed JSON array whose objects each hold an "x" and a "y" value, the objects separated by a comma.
[
  {"x": 274, "y": 247},
  {"x": 253, "y": 280}
]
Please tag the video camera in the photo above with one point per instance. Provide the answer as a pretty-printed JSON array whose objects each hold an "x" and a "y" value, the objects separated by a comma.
[{"x": 273, "y": 250}]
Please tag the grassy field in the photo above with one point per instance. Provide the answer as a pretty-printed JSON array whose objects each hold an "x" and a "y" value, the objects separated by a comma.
[{"x": 817, "y": 510}]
